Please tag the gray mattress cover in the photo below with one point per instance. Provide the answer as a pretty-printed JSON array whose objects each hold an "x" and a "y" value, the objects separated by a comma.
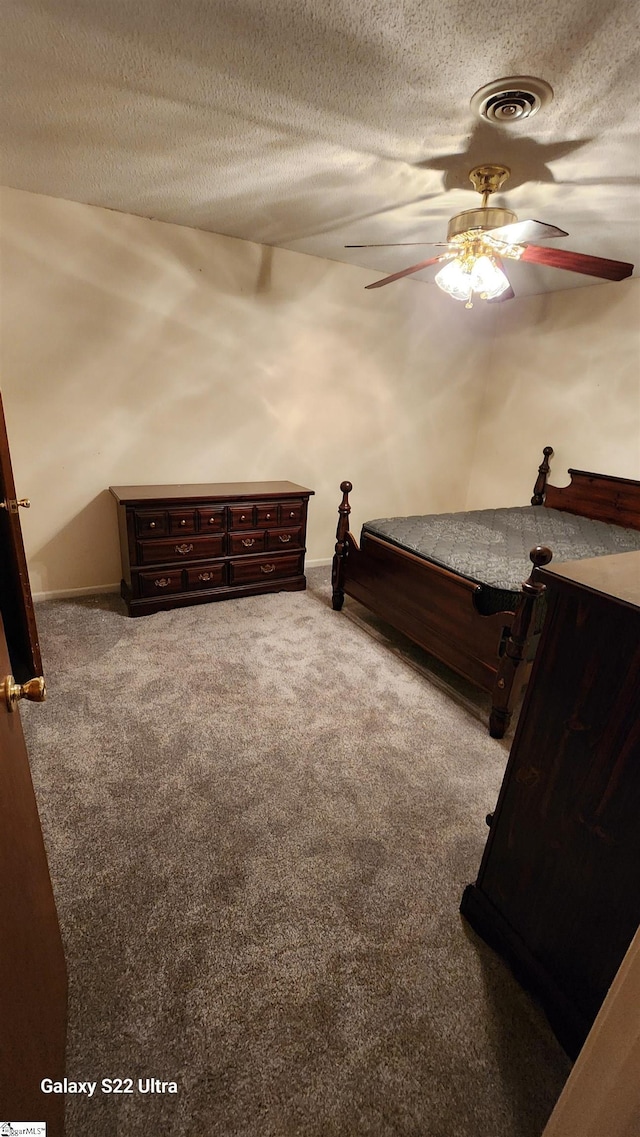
[{"x": 491, "y": 546}]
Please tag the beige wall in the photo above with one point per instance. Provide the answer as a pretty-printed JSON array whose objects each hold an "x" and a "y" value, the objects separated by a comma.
[
  {"x": 135, "y": 351},
  {"x": 564, "y": 371}
]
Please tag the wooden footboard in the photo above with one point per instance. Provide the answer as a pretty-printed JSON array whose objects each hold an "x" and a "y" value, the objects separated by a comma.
[
  {"x": 432, "y": 606},
  {"x": 436, "y": 609}
]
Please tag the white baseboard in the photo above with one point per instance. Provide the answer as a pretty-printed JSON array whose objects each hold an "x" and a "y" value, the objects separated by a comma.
[
  {"x": 68, "y": 593},
  {"x": 318, "y": 564}
]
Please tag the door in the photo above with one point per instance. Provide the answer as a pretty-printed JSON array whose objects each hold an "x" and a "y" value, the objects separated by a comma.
[
  {"x": 33, "y": 983},
  {"x": 16, "y": 604}
]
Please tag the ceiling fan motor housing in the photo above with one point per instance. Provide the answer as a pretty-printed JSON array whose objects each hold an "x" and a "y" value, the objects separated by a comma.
[{"x": 488, "y": 218}]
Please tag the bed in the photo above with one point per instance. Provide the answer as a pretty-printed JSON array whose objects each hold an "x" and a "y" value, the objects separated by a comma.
[{"x": 454, "y": 583}]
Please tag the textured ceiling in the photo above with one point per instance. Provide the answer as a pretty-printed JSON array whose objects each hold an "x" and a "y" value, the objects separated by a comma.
[{"x": 311, "y": 124}]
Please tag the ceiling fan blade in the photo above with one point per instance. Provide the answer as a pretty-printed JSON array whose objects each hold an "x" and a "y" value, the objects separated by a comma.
[
  {"x": 577, "y": 262},
  {"x": 519, "y": 232},
  {"x": 404, "y": 272},
  {"x": 396, "y": 244}
]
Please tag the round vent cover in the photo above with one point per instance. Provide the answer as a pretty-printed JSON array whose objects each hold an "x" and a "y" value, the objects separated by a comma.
[{"x": 511, "y": 100}]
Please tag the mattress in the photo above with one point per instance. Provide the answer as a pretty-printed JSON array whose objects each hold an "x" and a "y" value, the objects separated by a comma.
[{"x": 491, "y": 546}]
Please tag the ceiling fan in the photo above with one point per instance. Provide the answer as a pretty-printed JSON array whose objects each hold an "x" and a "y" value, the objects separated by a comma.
[{"x": 479, "y": 239}]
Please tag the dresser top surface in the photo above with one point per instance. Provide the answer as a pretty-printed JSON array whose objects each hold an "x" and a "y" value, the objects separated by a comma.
[
  {"x": 230, "y": 491},
  {"x": 617, "y": 576}
]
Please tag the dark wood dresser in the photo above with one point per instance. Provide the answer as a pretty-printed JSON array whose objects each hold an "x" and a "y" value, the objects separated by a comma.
[
  {"x": 189, "y": 544},
  {"x": 558, "y": 893}
]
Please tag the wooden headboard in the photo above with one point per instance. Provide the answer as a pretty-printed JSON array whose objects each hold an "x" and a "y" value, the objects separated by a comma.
[{"x": 601, "y": 496}]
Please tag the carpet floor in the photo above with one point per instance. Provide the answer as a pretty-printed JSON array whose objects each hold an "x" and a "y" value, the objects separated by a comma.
[{"x": 260, "y": 820}]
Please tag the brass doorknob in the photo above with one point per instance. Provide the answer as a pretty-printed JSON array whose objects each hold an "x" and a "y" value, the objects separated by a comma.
[
  {"x": 12, "y": 505},
  {"x": 35, "y": 690}
]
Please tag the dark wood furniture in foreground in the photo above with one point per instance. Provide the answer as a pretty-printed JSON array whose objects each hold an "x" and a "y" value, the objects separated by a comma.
[
  {"x": 435, "y": 607},
  {"x": 189, "y": 544},
  {"x": 558, "y": 893}
]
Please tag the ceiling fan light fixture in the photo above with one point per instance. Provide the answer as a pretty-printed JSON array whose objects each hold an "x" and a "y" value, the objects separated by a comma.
[
  {"x": 455, "y": 279},
  {"x": 476, "y": 237},
  {"x": 487, "y": 278},
  {"x": 462, "y": 277}
]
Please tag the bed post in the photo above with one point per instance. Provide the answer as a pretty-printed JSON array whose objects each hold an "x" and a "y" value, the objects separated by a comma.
[
  {"x": 541, "y": 480},
  {"x": 505, "y": 690},
  {"x": 337, "y": 571}
]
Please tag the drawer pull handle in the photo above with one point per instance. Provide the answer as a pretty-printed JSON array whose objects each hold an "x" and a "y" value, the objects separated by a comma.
[
  {"x": 268, "y": 517},
  {"x": 183, "y": 522},
  {"x": 184, "y": 549},
  {"x": 205, "y": 576},
  {"x": 267, "y": 568},
  {"x": 242, "y": 517},
  {"x": 292, "y": 514},
  {"x": 212, "y": 520},
  {"x": 285, "y": 538},
  {"x": 152, "y": 524},
  {"x": 162, "y": 582},
  {"x": 248, "y": 541}
]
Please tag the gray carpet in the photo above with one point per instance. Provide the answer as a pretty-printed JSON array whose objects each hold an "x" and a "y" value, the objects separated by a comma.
[{"x": 260, "y": 821}]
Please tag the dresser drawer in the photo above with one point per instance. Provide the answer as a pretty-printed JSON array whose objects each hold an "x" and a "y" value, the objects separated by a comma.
[
  {"x": 205, "y": 576},
  {"x": 241, "y": 517},
  {"x": 151, "y": 524},
  {"x": 188, "y": 549},
  {"x": 182, "y": 521},
  {"x": 268, "y": 514},
  {"x": 284, "y": 538},
  {"x": 291, "y": 512},
  {"x": 247, "y": 542},
  {"x": 210, "y": 520},
  {"x": 160, "y": 583},
  {"x": 264, "y": 569}
]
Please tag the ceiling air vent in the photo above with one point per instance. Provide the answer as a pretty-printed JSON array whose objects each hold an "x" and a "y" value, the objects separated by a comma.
[{"x": 511, "y": 100}]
